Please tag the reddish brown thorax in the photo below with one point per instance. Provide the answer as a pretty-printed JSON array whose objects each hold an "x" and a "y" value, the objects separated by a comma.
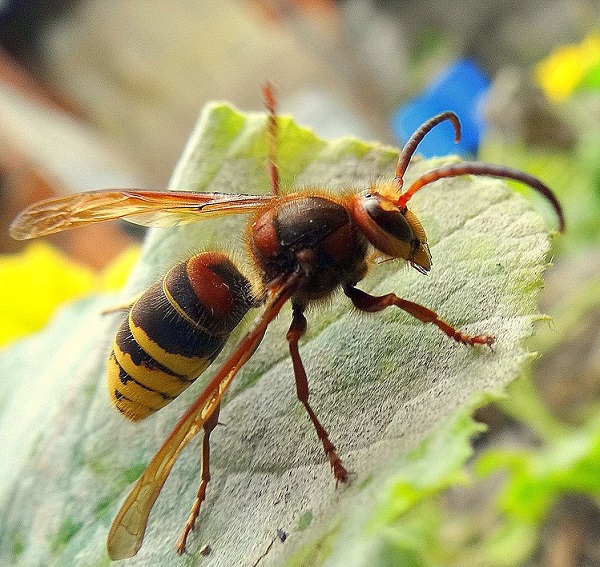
[{"x": 314, "y": 233}]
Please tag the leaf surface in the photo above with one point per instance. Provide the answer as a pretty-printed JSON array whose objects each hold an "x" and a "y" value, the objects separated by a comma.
[{"x": 389, "y": 389}]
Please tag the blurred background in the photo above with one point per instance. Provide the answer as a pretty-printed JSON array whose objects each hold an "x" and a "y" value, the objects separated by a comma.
[{"x": 97, "y": 94}]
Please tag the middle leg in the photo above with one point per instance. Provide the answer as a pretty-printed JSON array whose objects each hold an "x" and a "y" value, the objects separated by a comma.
[{"x": 296, "y": 331}]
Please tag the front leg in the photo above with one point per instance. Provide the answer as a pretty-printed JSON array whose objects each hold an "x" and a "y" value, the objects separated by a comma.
[{"x": 373, "y": 303}]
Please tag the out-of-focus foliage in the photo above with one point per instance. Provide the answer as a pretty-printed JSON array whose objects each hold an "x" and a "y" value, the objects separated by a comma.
[
  {"x": 567, "y": 79},
  {"x": 567, "y": 463}
]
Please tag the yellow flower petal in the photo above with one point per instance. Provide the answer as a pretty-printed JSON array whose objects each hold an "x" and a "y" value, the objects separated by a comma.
[
  {"x": 559, "y": 74},
  {"x": 33, "y": 284},
  {"x": 116, "y": 274}
]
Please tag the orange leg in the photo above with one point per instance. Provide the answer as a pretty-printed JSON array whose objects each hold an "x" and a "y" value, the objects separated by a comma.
[
  {"x": 208, "y": 427},
  {"x": 297, "y": 330},
  {"x": 271, "y": 106},
  {"x": 372, "y": 303}
]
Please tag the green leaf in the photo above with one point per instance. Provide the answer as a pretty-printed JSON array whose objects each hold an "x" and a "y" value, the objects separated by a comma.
[
  {"x": 570, "y": 463},
  {"x": 394, "y": 394}
]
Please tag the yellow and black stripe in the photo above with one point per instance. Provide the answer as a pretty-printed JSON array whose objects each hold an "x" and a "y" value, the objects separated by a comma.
[{"x": 174, "y": 331}]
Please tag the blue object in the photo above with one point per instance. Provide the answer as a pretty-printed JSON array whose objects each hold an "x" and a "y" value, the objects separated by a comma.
[{"x": 460, "y": 88}]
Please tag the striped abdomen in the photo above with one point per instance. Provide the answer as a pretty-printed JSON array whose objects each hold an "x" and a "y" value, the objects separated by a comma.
[{"x": 174, "y": 331}]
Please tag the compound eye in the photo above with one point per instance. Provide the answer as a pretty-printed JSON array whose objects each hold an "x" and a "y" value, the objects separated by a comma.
[
  {"x": 393, "y": 231},
  {"x": 388, "y": 218}
]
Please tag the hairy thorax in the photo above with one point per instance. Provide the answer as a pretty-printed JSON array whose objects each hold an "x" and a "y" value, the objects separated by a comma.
[{"x": 314, "y": 234}]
